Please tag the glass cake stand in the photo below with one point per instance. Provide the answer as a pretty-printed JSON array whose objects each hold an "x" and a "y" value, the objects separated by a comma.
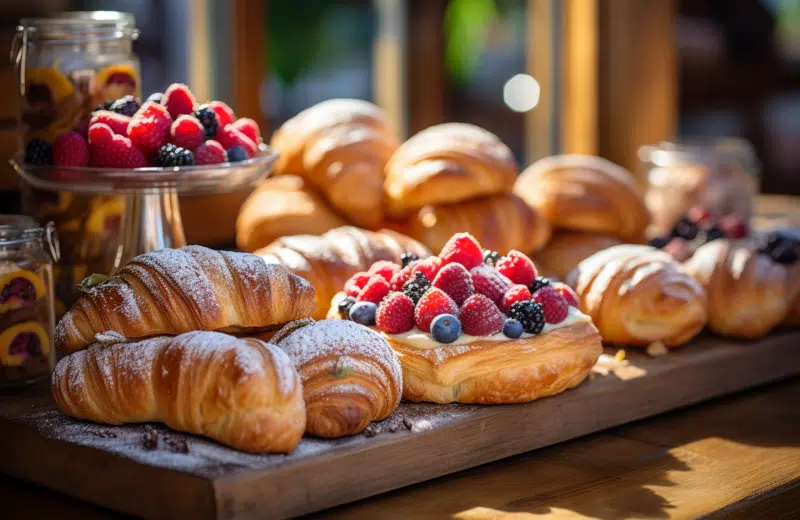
[{"x": 152, "y": 218}]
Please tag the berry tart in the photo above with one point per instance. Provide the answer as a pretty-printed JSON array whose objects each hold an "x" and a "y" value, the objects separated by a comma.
[{"x": 472, "y": 326}]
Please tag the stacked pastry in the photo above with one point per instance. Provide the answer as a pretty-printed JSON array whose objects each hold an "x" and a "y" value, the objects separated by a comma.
[{"x": 591, "y": 203}]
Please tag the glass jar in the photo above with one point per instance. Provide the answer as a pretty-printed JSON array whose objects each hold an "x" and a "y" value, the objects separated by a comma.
[
  {"x": 68, "y": 65},
  {"x": 719, "y": 175},
  {"x": 27, "y": 314}
]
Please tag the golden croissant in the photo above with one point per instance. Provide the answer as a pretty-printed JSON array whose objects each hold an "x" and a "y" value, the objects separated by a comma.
[
  {"x": 171, "y": 291},
  {"x": 240, "y": 392}
]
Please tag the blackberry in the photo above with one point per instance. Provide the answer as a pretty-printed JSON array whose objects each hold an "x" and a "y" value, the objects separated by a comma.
[
  {"x": 407, "y": 258},
  {"x": 344, "y": 307},
  {"x": 491, "y": 258},
  {"x": 38, "y": 151},
  {"x": 416, "y": 287},
  {"x": 171, "y": 155},
  {"x": 530, "y": 314},
  {"x": 784, "y": 253},
  {"x": 538, "y": 283},
  {"x": 126, "y": 105},
  {"x": 710, "y": 234},
  {"x": 106, "y": 105},
  {"x": 207, "y": 118},
  {"x": 685, "y": 229},
  {"x": 156, "y": 97}
]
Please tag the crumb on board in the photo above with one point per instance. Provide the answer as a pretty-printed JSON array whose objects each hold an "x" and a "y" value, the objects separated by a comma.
[{"x": 657, "y": 348}]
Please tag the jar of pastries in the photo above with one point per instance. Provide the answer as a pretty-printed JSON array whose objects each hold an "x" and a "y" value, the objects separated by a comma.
[
  {"x": 27, "y": 314},
  {"x": 718, "y": 175},
  {"x": 70, "y": 64}
]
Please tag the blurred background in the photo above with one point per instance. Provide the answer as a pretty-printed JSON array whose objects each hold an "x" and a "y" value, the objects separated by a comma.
[{"x": 590, "y": 76}]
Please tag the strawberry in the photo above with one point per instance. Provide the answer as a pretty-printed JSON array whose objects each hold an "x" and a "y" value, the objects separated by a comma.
[
  {"x": 428, "y": 266},
  {"x": 395, "y": 314},
  {"x": 455, "y": 281},
  {"x": 384, "y": 268},
  {"x": 228, "y": 137},
  {"x": 149, "y": 128},
  {"x": 490, "y": 282},
  {"x": 179, "y": 100},
  {"x": 462, "y": 248},
  {"x": 225, "y": 114},
  {"x": 554, "y": 305},
  {"x": 481, "y": 317},
  {"x": 187, "y": 132},
  {"x": 117, "y": 152},
  {"x": 117, "y": 122},
  {"x": 376, "y": 290},
  {"x": 353, "y": 286},
  {"x": 567, "y": 293},
  {"x": 433, "y": 303},
  {"x": 517, "y": 267},
  {"x": 70, "y": 149},
  {"x": 248, "y": 127},
  {"x": 516, "y": 293},
  {"x": 210, "y": 152}
]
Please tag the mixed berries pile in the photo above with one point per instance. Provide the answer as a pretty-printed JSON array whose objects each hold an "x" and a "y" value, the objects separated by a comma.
[
  {"x": 696, "y": 228},
  {"x": 463, "y": 290},
  {"x": 782, "y": 248},
  {"x": 169, "y": 129}
]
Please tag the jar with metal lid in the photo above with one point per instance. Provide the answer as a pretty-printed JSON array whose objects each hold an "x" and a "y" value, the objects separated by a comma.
[
  {"x": 719, "y": 175},
  {"x": 27, "y": 320}
]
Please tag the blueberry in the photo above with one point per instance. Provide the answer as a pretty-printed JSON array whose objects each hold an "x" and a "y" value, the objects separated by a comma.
[
  {"x": 445, "y": 328},
  {"x": 784, "y": 253},
  {"x": 236, "y": 154},
  {"x": 344, "y": 307},
  {"x": 363, "y": 313},
  {"x": 512, "y": 328},
  {"x": 156, "y": 97},
  {"x": 685, "y": 229},
  {"x": 659, "y": 242}
]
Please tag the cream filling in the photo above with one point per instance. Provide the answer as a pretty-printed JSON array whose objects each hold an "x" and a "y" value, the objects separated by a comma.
[{"x": 422, "y": 340}]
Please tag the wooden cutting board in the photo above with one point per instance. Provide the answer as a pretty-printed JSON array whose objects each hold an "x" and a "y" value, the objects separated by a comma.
[{"x": 148, "y": 470}]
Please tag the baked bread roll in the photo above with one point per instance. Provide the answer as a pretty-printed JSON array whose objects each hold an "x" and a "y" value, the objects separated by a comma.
[
  {"x": 585, "y": 193},
  {"x": 747, "y": 292},
  {"x": 282, "y": 206},
  {"x": 637, "y": 295},
  {"x": 240, "y": 392},
  {"x": 448, "y": 163},
  {"x": 327, "y": 261},
  {"x": 500, "y": 223},
  {"x": 566, "y": 249},
  {"x": 171, "y": 291},
  {"x": 341, "y": 147},
  {"x": 350, "y": 376}
]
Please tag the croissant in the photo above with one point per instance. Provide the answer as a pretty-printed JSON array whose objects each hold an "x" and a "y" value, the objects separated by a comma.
[
  {"x": 240, "y": 392},
  {"x": 637, "y": 295},
  {"x": 447, "y": 163},
  {"x": 500, "y": 223},
  {"x": 566, "y": 249},
  {"x": 585, "y": 193},
  {"x": 171, "y": 291},
  {"x": 329, "y": 260},
  {"x": 793, "y": 313},
  {"x": 350, "y": 375},
  {"x": 282, "y": 206},
  {"x": 341, "y": 147},
  {"x": 747, "y": 292}
]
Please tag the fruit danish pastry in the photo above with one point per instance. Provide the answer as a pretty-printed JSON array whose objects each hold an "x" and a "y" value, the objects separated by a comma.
[{"x": 472, "y": 326}]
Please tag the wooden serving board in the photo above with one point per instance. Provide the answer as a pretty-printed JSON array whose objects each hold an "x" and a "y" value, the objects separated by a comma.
[{"x": 148, "y": 470}]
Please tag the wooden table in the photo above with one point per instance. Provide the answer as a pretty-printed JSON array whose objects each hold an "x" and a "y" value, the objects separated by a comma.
[{"x": 735, "y": 457}]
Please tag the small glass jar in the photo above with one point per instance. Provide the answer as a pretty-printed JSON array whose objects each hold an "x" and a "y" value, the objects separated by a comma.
[
  {"x": 720, "y": 175},
  {"x": 27, "y": 314}
]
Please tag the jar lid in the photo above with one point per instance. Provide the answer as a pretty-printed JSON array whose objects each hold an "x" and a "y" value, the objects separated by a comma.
[
  {"x": 19, "y": 229},
  {"x": 80, "y": 26},
  {"x": 699, "y": 150}
]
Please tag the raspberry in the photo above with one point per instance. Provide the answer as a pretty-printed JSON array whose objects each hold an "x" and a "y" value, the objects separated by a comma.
[
  {"x": 384, "y": 268},
  {"x": 401, "y": 277},
  {"x": 356, "y": 282},
  {"x": 567, "y": 293},
  {"x": 179, "y": 100},
  {"x": 99, "y": 133},
  {"x": 516, "y": 293},
  {"x": 488, "y": 281},
  {"x": 429, "y": 266},
  {"x": 149, "y": 128},
  {"x": 248, "y": 127},
  {"x": 117, "y": 122},
  {"x": 733, "y": 227},
  {"x": 462, "y": 248},
  {"x": 700, "y": 215},
  {"x": 117, "y": 152},
  {"x": 433, "y": 303},
  {"x": 481, "y": 317},
  {"x": 455, "y": 280},
  {"x": 376, "y": 290},
  {"x": 554, "y": 305},
  {"x": 210, "y": 152},
  {"x": 517, "y": 267},
  {"x": 416, "y": 287},
  {"x": 225, "y": 115},
  {"x": 228, "y": 136},
  {"x": 395, "y": 314},
  {"x": 529, "y": 314},
  {"x": 70, "y": 149},
  {"x": 186, "y": 132}
]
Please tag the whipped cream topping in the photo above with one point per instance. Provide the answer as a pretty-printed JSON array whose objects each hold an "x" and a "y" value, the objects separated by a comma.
[{"x": 422, "y": 340}]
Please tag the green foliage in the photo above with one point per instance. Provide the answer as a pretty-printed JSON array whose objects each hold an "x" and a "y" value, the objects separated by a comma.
[
  {"x": 294, "y": 35},
  {"x": 466, "y": 28}
]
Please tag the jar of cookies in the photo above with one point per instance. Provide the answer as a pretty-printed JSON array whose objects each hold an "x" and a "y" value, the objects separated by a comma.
[
  {"x": 69, "y": 65},
  {"x": 719, "y": 177},
  {"x": 27, "y": 255}
]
